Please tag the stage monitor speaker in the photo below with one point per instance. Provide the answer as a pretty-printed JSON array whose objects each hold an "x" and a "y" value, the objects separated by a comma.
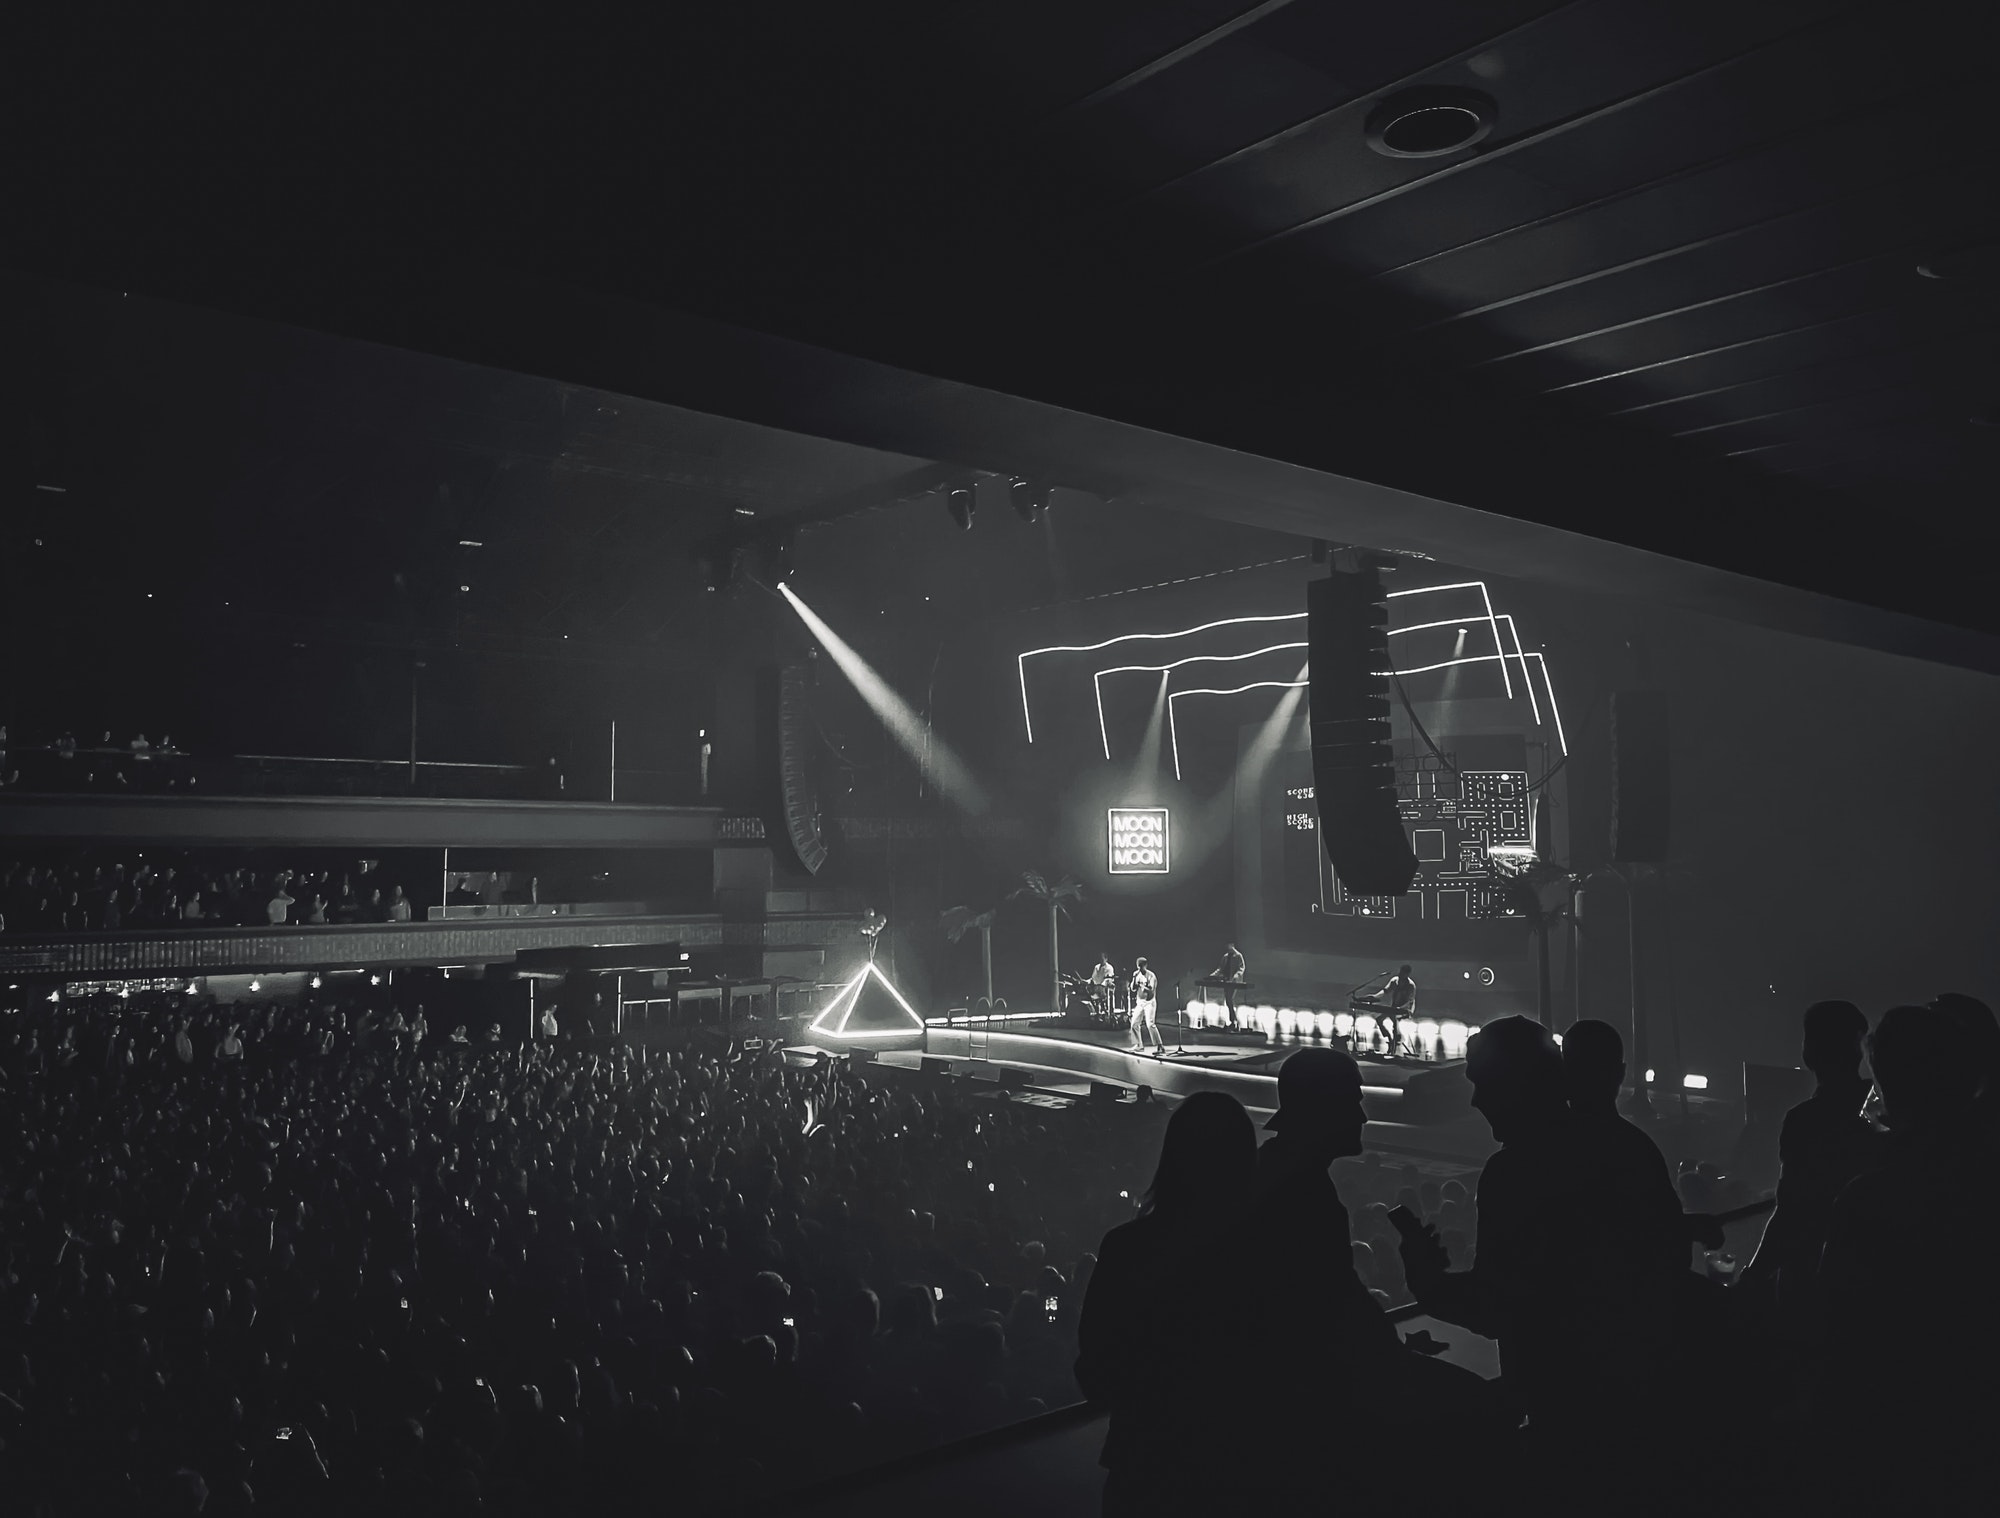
[
  {"x": 1100, "y": 1092},
  {"x": 1640, "y": 798},
  {"x": 933, "y": 1066},
  {"x": 1354, "y": 766}
]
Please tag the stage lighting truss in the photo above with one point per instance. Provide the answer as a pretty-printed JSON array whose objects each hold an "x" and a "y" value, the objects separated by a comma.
[
  {"x": 1507, "y": 649},
  {"x": 832, "y": 1023}
]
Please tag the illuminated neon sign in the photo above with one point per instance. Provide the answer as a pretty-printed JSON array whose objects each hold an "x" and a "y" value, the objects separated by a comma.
[{"x": 1139, "y": 840}]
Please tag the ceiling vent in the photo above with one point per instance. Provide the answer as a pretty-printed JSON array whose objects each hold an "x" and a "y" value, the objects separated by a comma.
[{"x": 1430, "y": 123}]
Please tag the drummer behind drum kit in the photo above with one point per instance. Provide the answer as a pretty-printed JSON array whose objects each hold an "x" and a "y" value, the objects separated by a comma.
[{"x": 1088, "y": 1004}]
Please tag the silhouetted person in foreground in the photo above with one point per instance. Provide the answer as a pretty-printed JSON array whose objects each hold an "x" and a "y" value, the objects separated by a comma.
[
  {"x": 1980, "y": 1034},
  {"x": 1824, "y": 1144},
  {"x": 1593, "y": 1069},
  {"x": 1911, "y": 1321},
  {"x": 1328, "y": 1356},
  {"x": 1576, "y": 1275},
  {"x": 1156, "y": 1344},
  {"x": 1721, "y": 1365}
]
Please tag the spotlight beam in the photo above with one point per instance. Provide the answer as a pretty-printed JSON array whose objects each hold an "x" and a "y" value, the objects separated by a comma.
[
  {"x": 1097, "y": 680},
  {"x": 932, "y": 756}
]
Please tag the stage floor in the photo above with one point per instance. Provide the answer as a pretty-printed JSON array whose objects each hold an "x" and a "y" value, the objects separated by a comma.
[
  {"x": 1380, "y": 1070},
  {"x": 1417, "y": 1108}
]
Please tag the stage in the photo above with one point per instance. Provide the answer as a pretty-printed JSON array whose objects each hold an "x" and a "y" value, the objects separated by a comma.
[{"x": 1066, "y": 1060}]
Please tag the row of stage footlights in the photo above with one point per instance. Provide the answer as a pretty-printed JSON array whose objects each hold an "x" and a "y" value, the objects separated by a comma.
[{"x": 1424, "y": 1038}]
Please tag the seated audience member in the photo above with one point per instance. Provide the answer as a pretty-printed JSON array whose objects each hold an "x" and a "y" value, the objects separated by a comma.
[
  {"x": 1909, "y": 1319},
  {"x": 1824, "y": 1144},
  {"x": 399, "y": 906}
]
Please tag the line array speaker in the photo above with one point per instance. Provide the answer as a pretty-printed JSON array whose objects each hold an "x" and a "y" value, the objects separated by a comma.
[
  {"x": 1640, "y": 798},
  {"x": 795, "y": 756},
  {"x": 1354, "y": 767}
]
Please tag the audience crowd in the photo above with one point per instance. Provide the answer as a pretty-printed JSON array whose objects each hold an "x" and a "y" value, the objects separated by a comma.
[
  {"x": 52, "y": 761},
  {"x": 332, "y": 1258},
  {"x": 1847, "y": 1371},
  {"x": 59, "y": 762},
  {"x": 183, "y": 891}
]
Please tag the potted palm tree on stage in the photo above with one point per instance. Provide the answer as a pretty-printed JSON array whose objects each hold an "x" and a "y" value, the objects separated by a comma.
[
  {"x": 958, "y": 921},
  {"x": 1055, "y": 898}
]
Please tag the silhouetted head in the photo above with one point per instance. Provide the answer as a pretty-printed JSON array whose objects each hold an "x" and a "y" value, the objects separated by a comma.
[
  {"x": 1517, "y": 1076},
  {"x": 1593, "y": 1066},
  {"x": 1208, "y": 1158},
  {"x": 1978, "y": 1029},
  {"x": 1834, "y": 1031},
  {"x": 1404, "y": 972},
  {"x": 1319, "y": 1103},
  {"x": 1922, "y": 1085}
]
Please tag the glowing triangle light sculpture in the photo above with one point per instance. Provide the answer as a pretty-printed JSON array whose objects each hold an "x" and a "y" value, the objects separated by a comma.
[{"x": 833, "y": 1022}]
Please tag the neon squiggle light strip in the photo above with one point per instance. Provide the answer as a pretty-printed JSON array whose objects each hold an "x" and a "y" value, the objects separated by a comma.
[
  {"x": 1492, "y": 621},
  {"x": 1173, "y": 731},
  {"x": 1097, "y": 680},
  {"x": 1021, "y": 660},
  {"x": 1562, "y": 741},
  {"x": 1549, "y": 686}
]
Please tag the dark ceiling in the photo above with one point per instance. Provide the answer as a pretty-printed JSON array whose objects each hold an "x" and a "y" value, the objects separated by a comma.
[{"x": 1719, "y": 282}]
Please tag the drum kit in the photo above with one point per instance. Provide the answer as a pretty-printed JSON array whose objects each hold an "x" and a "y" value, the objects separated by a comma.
[{"x": 1097, "y": 1004}]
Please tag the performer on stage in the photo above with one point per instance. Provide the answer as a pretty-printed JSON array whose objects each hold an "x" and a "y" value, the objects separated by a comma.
[
  {"x": 1231, "y": 971},
  {"x": 1145, "y": 1005},
  {"x": 1399, "y": 999},
  {"x": 1103, "y": 981}
]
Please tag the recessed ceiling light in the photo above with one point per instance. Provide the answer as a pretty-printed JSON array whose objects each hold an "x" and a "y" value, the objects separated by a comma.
[{"x": 1429, "y": 122}]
